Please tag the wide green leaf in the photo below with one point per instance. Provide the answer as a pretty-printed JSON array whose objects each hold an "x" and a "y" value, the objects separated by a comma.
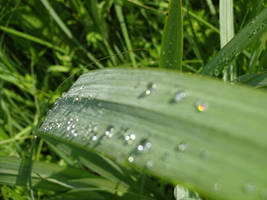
[{"x": 204, "y": 134}]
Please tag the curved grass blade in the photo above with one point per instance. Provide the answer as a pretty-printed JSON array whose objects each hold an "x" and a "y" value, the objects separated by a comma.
[
  {"x": 200, "y": 133},
  {"x": 255, "y": 80},
  {"x": 243, "y": 39},
  {"x": 171, "y": 55}
]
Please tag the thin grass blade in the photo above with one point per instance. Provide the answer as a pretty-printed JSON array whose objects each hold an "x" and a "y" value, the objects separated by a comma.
[
  {"x": 227, "y": 33},
  {"x": 120, "y": 17}
]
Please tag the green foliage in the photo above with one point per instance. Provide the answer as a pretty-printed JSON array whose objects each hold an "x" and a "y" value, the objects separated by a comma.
[{"x": 44, "y": 44}]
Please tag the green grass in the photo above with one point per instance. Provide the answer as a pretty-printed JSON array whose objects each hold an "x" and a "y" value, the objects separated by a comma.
[{"x": 44, "y": 44}]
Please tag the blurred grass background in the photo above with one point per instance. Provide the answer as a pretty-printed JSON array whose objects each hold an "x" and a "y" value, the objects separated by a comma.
[{"x": 44, "y": 42}]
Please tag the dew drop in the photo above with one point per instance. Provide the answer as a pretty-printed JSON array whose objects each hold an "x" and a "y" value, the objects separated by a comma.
[
  {"x": 68, "y": 128},
  {"x": 148, "y": 146},
  {"x": 94, "y": 127},
  {"x": 182, "y": 147},
  {"x": 179, "y": 96},
  {"x": 201, "y": 106},
  {"x": 249, "y": 187},
  {"x": 151, "y": 87},
  {"x": 140, "y": 147},
  {"x": 82, "y": 87},
  {"x": 144, "y": 146},
  {"x": 131, "y": 158},
  {"x": 132, "y": 136},
  {"x": 149, "y": 164},
  {"x": 252, "y": 34},
  {"x": 128, "y": 137},
  {"x": 74, "y": 132},
  {"x": 94, "y": 138},
  {"x": 109, "y": 131},
  {"x": 58, "y": 124}
]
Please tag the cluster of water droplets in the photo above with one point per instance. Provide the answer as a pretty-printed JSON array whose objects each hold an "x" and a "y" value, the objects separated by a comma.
[
  {"x": 144, "y": 146},
  {"x": 259, "y": 27},
  {"x": 92, "y": 133}
]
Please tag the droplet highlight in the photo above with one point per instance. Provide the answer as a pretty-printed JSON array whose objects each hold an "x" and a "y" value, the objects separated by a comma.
[{"x": 201, "y": 106}]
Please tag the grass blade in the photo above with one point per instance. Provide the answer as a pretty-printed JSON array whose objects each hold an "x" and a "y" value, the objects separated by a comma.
[
  {"x": 227, "y": 32},
  {"x": 68, "y": 33},
  {"x": 242, "y": 40},
  {"x": 53, "y": 177},
  {"x": 124, "y": 31},
  {"x": 172, "y": 39},
  {"x": 31, "y": 38},
  {"x": 177, "y": 127},
  {"x": 255, "y": 80}
]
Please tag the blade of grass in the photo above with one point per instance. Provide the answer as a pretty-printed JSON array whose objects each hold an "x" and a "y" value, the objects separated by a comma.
[
  {"x": 125, "y": 34},
  {"x": 258, "y": 80},
  {"x": 179, "y": 138},
  {"x": 68, "y": 33},
  {"x": 242, "y": 40},
  {"x": 53, "y": 177},
  {"x": 192, "y": 14},
  {"x": 31, "y": 38},
  {"x": 227, "y": 33},
  {"x": 171, "y": 55}
]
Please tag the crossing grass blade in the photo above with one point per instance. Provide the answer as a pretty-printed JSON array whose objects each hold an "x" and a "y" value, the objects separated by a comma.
[
  {"x": 258, "y": 80},
  {"x": 171, "y": 55},
  {"x": 51, "y": 177},
  {"x": 203, "y": 134},
  {"x": 243, "y": 39}
]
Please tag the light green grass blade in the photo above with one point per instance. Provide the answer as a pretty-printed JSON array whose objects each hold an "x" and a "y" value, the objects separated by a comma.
[
  {"x": 31, "y": 38},
  {"x": 49, "y": 176},
  {"x": 201, "y": 133},
  {"x": 125, "y": 34},
  {"x": 171, "y": 55},
  {"x": 227, "y": 32},
  {"x": 243, "y": 39}
]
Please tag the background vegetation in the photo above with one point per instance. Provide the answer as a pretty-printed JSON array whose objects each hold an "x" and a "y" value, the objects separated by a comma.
[{"x": 41, "y": 47}]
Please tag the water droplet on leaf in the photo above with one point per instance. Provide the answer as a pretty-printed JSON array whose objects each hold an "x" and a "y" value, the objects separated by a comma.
[{"x": 201, "y": 106}]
